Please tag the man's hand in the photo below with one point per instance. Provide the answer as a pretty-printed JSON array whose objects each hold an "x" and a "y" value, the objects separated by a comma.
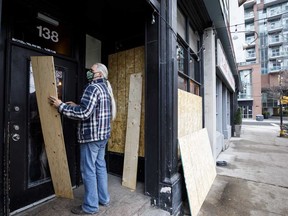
[{"x": 54, "y": 101}]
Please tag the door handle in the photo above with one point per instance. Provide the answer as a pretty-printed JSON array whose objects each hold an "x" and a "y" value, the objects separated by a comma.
[{"x": 15, "y": 137}]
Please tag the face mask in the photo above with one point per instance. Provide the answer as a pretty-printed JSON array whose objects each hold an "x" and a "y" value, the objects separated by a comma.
[{"x": 89, "y": 75}]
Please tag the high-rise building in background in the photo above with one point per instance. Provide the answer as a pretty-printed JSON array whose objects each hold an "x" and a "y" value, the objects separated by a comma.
[{"x": 265, "y": 29}]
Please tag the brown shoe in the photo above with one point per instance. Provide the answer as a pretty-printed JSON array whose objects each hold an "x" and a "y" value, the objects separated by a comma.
[{"x": 79, "y": 211}]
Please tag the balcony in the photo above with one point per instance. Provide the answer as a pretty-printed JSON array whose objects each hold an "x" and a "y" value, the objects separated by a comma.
[
  {"x": 246, "y": 63},
  {"x": 246, "y": 92},
  {"x": 275, "y": 69},
  {"x": 250, "y": 56},
  {"x": 274, "y": 27},
  {"x": 244, "y": 97},
  {"x": 275, "y": 42},
  {"x": 249, "y": 16},
  {"x": 249, "y": 3},
  {"x": 250, "y": 42},
  {"x": 269, "y": 3},
  {"x": 249, "y": 29},
  {"x": 275, "y": 14},
  {"x": 277, "y": 55}
]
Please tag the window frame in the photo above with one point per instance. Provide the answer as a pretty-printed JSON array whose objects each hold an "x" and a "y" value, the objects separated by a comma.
[{"x": 189, "y": 77}]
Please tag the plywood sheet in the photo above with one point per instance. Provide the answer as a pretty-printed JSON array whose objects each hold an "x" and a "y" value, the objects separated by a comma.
[
  {"x": 129, "y": 177},
  {"x": 199, "y": 167},
  {"x": 121, "y": 65},
  {"x": 140, "y": 68},
  {"x": 130, "y": 61},
  {"x": 189, "y": 113},
  {"x": 45, "y": 84}
]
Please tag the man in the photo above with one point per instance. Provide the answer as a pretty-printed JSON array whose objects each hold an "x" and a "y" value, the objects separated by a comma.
[{"x": 96, "y": 110}]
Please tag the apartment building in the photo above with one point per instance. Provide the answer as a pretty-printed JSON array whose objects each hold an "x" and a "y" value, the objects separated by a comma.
[{"x": 265, "y": 28}]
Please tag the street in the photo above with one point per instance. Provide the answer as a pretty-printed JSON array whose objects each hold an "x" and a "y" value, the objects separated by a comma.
[{"x": 268, "y": 122}]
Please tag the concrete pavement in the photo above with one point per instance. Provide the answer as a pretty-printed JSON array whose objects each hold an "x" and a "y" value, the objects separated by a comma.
[
  {"x": 255, "y": 181},
  {"x": 124, "y": 202}
]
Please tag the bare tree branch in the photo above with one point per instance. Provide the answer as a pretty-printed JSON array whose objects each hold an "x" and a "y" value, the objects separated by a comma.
[{"x": 281, "y": 89}]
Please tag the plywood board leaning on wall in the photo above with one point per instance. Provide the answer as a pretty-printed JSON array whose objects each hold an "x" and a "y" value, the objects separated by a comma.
[
  {"x": 121, "y": 65},
  {"x": 129, "y": 178},
  {"x": 45, "y": 84},
  {"x": 199, "y": 167},
  {"x": 189, "y": 113}
]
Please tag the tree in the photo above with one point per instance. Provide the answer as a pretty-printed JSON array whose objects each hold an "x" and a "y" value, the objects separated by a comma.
[{"x": 277, "y": 91}]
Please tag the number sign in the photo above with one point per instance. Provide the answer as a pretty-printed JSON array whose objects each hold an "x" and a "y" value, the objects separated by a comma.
[{"x": 31, "y": 31}]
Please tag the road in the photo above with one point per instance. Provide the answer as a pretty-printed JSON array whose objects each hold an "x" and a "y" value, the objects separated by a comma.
[
  {"x": 263, "y": 123},
  {"x": 266, "y": 122}
]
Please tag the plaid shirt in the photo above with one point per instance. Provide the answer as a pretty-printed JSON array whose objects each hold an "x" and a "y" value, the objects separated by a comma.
[{"x": 93, "y": 112}]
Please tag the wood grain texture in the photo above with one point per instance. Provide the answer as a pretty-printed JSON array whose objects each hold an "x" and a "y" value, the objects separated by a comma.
[
  {"x": 129, "y": 178},
  {"x": 189, "y": 113},
  {"x": 45, "y": 84},
  {"x": 199, "y": 167},
  {"x": 121, "y": 65}
]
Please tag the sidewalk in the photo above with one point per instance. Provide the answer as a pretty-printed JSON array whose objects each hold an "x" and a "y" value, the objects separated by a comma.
[
  {"x": 124, "y": 202},
  {"x": 255, "y": 181}
]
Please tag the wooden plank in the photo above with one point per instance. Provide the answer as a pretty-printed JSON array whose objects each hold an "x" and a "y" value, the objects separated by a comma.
[
  {"x": 189, "y": 113},
  {"x": 45, "y": 84},
  {"x": 199, "y": 167},
  {"x": 132, "y": 132}
]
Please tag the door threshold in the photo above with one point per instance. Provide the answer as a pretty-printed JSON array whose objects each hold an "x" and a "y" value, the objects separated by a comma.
[{"x": 33, "y": 204}]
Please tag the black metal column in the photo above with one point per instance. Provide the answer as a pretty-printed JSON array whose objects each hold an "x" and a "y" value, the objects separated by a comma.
[{"x": 162, "y": 180}]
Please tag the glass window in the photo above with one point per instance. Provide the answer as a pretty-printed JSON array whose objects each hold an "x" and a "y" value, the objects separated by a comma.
[
  {"x": 181, "y": 24},
  {"x": 246, "y": 79},
  {"x": 249, "y": 27},
  {"x": 182, "y": 83},
  {"x": 274, "y": 38},
  {"x": 187, "y": 56},
  {"x": 275, "y": 51},
  {"x": 247, "y": 112},
  {"x": 192, "y": 65},
  {"x": 250, "y": 53},
  {"x": 249, "y": 39},
  {"x": 180, "y": 58},
  {"x": 193, "y": 39},
  {"x": 194, "y": 88}
]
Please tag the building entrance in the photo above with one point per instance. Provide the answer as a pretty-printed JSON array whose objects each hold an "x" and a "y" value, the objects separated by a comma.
[{"x": 30, "y": 179}]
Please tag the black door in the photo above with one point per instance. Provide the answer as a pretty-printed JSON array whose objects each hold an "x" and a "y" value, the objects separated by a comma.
[{"x": 30, "y": 179}]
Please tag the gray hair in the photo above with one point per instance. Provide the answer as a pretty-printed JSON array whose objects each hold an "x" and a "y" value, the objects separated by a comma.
[{"x": 103, "y": 69}]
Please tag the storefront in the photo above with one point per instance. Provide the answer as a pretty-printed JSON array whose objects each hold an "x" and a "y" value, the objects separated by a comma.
[{"x": 162, "y": 40}]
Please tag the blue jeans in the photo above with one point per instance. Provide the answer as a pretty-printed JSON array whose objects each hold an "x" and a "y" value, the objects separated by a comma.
[{"x": 94, "y": 175}]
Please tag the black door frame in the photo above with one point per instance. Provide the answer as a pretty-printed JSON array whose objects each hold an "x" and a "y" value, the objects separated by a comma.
[
  {"x": 4, "y": 187},
  {"x": 70, "y": 141}
]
